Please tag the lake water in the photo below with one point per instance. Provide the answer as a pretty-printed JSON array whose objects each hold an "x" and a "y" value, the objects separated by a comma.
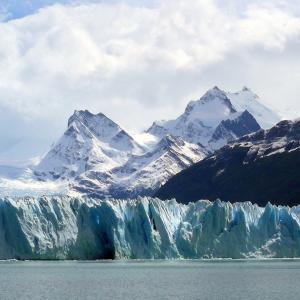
[{"x": 271, "y": 279}]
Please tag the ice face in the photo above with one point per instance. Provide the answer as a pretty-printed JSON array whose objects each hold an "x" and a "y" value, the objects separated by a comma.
[{"x": 78, "y": 228}]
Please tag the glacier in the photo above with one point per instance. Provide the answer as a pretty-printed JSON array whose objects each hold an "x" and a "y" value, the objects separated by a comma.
[{"x": 63, "y": 227}]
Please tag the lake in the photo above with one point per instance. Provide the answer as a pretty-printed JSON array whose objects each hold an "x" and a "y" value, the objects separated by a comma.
[{"x": 190, "y": 279}]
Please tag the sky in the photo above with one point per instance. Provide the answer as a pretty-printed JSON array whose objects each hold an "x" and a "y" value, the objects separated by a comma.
[{"x": 137, "y": 61}]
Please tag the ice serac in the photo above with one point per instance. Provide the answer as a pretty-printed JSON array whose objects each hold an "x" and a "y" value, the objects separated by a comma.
[
  {"x": 146, "y": 228},
  {"x": 212, "y": 121}
]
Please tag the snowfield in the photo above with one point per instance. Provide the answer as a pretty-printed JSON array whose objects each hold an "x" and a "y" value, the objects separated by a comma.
[{"x": 61, "y": 227}]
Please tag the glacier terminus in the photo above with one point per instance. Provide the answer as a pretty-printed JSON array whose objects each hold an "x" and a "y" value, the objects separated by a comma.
[{"x": 145, "y": 228}]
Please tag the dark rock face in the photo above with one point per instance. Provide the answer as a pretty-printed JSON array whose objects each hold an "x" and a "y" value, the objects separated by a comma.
[
  {"x": 243, "y": 125},
  {"x": 235, "y": 128},
  {"x": 262, "y": 167}
]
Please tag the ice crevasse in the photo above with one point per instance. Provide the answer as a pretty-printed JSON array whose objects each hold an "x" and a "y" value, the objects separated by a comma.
[{"x": 61, "y": 227}]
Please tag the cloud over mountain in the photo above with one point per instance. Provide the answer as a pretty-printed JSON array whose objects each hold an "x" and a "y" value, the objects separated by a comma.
[{"x": 142, "y": 61}]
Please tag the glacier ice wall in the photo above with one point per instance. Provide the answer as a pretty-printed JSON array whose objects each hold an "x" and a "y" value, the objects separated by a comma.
[{"x": 79, "y": 228}]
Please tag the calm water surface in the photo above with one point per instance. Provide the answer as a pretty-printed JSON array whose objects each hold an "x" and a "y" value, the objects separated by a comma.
[{"x": 272, "y": 279}]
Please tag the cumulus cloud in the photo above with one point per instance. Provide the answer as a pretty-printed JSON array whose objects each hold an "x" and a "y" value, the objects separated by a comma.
[{"x": 139, "y": 63}]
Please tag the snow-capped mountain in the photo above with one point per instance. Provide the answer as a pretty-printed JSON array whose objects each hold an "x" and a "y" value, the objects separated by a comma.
[
  {"x": 142, "y": 174},
  {"x": 260, "y": 167},
  {"x": 247, "y": 100},
  {"x": 149, "y": 171},
  {"x": 217, "y": 118},
  {"x": 91, "y": 141},
  {"x": 96, "y": 156},
  {"x": 105, "y": 130}
]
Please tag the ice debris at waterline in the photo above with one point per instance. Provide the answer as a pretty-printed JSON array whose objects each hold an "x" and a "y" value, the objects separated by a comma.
[{"x": 146, "y": 228}]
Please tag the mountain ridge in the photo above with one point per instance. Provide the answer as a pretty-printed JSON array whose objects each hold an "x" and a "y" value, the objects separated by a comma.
[
  {"x": 202, "y": 118},
  {"x": 261, "y": 167},
  {"x": 96, "y": 156}
]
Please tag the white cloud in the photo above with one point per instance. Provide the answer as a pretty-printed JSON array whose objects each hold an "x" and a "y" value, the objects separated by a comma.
[{"x": 137, "y": 64}]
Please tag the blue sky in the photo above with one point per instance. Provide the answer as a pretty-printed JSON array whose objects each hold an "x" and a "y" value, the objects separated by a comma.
[
  {"x": 20, "y": 8},
  {"x": 137, "y": 61},
  {"x": 14, "y": 9}
]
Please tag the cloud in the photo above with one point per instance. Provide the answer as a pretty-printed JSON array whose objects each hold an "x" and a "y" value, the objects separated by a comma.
[{"x": 139, "y": 63}]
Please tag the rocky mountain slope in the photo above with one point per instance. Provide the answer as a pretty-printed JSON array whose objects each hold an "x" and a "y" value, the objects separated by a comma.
[
  {"x": 260, "y": 167},
  {"x": 82, "y": 228},
  {"x": 142, "y": 174}
]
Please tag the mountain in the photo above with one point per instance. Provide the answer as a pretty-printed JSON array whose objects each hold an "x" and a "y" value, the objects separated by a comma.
[
  {"x": 247, "y": 100},
  {"x": 260, "y": 167},
  {"x": 97, "y": 157},
  {"x": 142, "y": 174},
  {"x": 146, "y": 228},
  {"x": 213, "y": 121},
  {"x": 91, "y": 141}
]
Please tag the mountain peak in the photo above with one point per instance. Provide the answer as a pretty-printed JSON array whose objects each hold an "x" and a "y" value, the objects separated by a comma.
[
  {"x": 85, "y": 116},
  {"x": 204, "y": 116},
  {"x": 213, "y": 95},
  {"x": 216, "y": 88},
  {"x": 214, "y": 92},
  {"x": 246, "y": 99},
  {"x": 211, "y": 108},
  {"x": 247, "y": 91}
]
